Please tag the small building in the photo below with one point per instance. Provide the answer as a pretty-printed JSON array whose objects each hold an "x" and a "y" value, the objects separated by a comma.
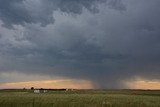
[
  {"x": 69, "y": 89},
  {"x": 36, "y": 91},
  {"x": 40, "y": 91}
]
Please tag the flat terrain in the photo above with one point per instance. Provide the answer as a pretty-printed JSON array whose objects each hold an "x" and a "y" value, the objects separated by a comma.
[{"x": 80, "y": 98}]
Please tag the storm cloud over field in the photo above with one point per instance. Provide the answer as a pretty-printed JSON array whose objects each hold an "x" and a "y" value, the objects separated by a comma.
[{"x": 106, "y": 42}]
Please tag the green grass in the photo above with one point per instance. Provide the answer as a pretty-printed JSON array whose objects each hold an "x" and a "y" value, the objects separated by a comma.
[{"x": 80, "y": 98}]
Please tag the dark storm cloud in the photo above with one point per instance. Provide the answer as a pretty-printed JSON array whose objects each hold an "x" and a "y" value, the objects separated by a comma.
[
  {"x": 15, "y": 12},
  {"x": 117, "y": 43},
  {"x": 41, "y": 11}
]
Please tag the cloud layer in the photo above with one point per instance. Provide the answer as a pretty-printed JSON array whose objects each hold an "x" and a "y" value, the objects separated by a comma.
[{"x": 104, "y": 41}]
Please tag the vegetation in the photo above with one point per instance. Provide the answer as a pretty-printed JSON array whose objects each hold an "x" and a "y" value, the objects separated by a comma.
[{"x": 80, "y": 98}]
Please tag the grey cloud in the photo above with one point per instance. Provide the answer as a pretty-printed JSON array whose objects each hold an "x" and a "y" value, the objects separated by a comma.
[
  {"x": 106, "y": 48},
  {"x": 20, "y": 12},
  {"x": 116, "y": 4},
  {"x": 17, "y": 12}
]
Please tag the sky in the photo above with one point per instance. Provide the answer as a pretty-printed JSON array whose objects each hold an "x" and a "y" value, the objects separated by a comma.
[{"x": 98, "y": 44}]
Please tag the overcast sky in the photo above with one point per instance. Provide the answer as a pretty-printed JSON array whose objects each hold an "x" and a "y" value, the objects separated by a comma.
[{"x": 106, "y": 42}]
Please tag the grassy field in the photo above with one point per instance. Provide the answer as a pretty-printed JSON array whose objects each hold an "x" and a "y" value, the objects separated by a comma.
[{"x": 80, "y": 98}]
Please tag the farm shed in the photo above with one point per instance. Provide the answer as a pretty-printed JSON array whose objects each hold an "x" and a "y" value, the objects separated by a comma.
[{"x": 40, "y": 91}]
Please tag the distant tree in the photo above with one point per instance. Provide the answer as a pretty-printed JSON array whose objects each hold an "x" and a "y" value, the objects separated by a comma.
[
  {"x": 24, "y": 88},
  {"x": 32, "y": 88}
]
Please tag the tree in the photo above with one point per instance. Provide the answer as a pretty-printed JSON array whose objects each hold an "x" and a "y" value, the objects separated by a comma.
[{"x": 32, "y": 88}]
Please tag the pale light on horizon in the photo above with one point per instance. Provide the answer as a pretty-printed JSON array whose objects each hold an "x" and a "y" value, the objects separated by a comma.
[
  {"x": 77, "y": 84},
  {"x": 144, "y": 84},
  {"x": 50, "y": 84}
]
